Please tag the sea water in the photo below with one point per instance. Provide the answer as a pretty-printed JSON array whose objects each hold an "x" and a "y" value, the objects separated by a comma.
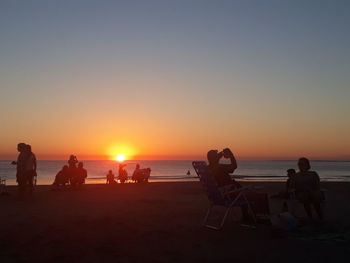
[{"x": 174, "y": 170}]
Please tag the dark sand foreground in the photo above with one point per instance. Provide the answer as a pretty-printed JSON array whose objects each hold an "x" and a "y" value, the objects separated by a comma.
[{"x": 156, "y": 222}]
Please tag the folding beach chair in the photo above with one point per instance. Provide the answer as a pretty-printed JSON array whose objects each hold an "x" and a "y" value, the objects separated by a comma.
[{"x": 220, "y": 197}]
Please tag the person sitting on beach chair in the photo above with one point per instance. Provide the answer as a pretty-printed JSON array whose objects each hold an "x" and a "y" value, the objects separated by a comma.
[
  {"x": 221, "y": 171},
  {"x": 306, "y": 184},
  {"x": 222, "y": 174}
]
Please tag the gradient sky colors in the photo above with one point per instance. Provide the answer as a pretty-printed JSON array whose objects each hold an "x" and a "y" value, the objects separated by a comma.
[{"x": 172, "y": 79}]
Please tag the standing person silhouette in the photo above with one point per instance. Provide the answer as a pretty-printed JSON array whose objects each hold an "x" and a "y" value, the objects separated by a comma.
[
  {"x": 21, "y": 167},
  {"x": 30, "y": 168}
]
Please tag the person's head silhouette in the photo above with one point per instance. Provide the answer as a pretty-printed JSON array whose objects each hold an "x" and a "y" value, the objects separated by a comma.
[
  {"x": 214, "y": 156},
  {"x": 21, "y": 147},
  {"x": 304, "y": 164}
]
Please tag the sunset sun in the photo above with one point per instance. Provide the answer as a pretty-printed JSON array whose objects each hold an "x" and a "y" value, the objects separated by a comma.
[{"x": 120, "y": 157}]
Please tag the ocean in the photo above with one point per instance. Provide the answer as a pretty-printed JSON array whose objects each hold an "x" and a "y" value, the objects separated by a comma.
[{"x": 174, "y": 170}]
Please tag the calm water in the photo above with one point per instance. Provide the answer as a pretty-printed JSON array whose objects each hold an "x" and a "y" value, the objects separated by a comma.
[{"x": 176, "y": 170}]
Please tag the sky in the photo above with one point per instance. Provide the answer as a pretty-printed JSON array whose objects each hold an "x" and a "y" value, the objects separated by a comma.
[{"x": 173, "y": 79}]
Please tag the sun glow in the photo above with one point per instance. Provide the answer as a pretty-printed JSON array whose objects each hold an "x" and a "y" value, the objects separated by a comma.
[
  {"x": 120, "y": 157},
  {"x": 120, "y": 152}
]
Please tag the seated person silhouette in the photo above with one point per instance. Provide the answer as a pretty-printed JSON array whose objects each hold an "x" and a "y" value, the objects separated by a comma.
[
  {"x": 307, "y": 188},
  {"x": 110, "y": 178},
  {"x": 221, "y": 171},
  {"x": 62, "y": 177},
  {"x": 79, "y": 176},
  {"x": 122, "y": 173},
  {"x": 141, "y": 175},
  {"x": 285, "y": 194}
]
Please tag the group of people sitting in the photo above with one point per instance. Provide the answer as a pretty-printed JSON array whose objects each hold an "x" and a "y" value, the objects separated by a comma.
[
  {"x": 73, "y": 174},
  {"x": 304, "y": 185},
  {"x": 140, "y": 175}
]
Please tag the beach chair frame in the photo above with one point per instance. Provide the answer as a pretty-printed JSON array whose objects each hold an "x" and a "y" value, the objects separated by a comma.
[{"x": 220, "y": 196}]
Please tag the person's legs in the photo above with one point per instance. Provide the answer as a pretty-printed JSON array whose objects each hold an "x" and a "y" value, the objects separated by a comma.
[
  {"x": 307, "y": 207},
  {"x": 21, "y": 184},
  {"x": 304, "y": 198},
  {"x": 29, "y": 181},
  {"x": 316, "y": 202}
]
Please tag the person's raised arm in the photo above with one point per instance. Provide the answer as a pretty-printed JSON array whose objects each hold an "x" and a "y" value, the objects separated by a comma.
[{"x": 228, "y": 154}]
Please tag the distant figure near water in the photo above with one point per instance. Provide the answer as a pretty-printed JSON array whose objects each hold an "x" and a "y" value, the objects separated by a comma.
[
  {"x": 26, "y": 168},
  {"x": 62, "y": 177},
  {"x": 122, "y": 173},
  {"x": 79, "y": 175},
  {"x": 141, "y": 175},
  {"x": 30, "y": 168},
  {"x": 110, "y": 178},
  {"x": 72, "y": 166}
]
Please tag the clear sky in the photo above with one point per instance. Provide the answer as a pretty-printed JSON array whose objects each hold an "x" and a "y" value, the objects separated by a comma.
[{"x": 173, "y": 79}]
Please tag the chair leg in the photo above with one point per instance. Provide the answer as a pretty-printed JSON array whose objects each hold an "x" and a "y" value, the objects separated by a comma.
[
  {"x": 224, "y": 218},
  {"x": 207, "y": 215},
  {"x": 219, "y": 227},
  {"x": 250, "y": 209}
]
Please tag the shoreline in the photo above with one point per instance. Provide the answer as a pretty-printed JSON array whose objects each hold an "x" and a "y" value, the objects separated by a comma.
[{"x": 243, "y": 179}]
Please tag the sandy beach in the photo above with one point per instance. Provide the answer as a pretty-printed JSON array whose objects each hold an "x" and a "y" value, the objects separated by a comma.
[{"x": 156, "y": 222}]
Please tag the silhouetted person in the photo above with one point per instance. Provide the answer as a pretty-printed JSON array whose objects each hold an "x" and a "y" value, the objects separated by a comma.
[
  {"x": 136, "y": 175},
  {"x": 72, "y": 167},
  {"x": 72, "y": 161},
  {"x": 62, "y": 177},
  {"x": 285, "y": 194},
  {"x": 290, "y": 173},
  {"x": 307, "y": 187},
  {"x": 110, "y": 178},
  {"x": 221, "y": 171},
  {"x": 122, "y": 173},
  {"x": 188, "y": 172},
  {"x": 79, "y": 175},
  {"x": 30, "y": 168},
  {"x": 141, "y": 175},
  {"x": 21, "y": 167}
]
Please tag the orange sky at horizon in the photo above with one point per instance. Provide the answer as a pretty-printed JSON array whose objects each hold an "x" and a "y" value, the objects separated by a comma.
[{"x": 180, "y": 147}]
